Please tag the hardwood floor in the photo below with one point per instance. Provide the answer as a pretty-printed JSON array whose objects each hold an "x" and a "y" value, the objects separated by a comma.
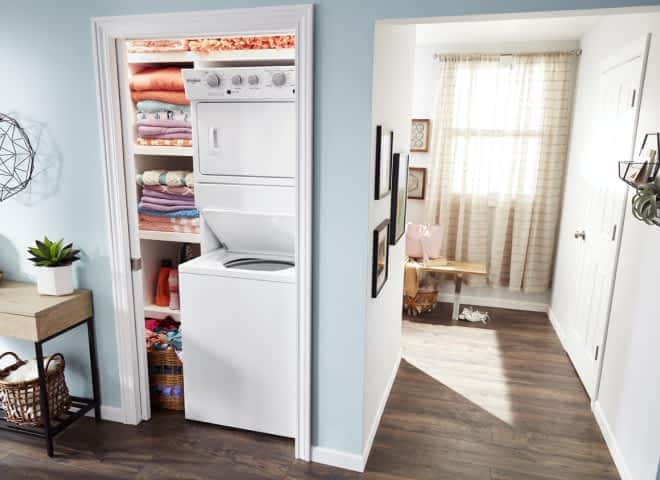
[{"x": 495, "y": 402}]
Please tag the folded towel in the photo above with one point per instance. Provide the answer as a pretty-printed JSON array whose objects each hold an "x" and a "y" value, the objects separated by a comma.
[
  {"x": 176, "y": 97},
  {"x": 147, "y": 131},
  {"x": 163, "y": 118},
  {"x": 156, "y": 207},
  {"x": 191, "y": 213},
  {"x": 154, "y": 194},
  {"x": 182, "y": 222},
  {"x": 169, "y": 136},
  {"x": 164, "y": 142},
  {"x": 173, "y": 178},
  {"x": 186, "y": 191},
  {"x": 158, "y": 78},
  {"x": 185, "y": 202},
  {"x": 143, "y": 46},
  {"x": 155, "y": 106}
]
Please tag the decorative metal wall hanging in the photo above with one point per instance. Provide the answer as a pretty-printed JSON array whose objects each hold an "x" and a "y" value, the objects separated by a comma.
[{"x": 16, "y": 158}]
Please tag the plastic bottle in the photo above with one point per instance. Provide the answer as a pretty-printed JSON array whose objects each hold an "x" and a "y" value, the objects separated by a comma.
[
  {"x": 173, "y": 283},
  {"x": 162, "y": 284}
]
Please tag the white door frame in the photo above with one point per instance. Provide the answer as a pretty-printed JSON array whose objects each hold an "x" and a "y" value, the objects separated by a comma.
[{"x": 106, "y": 31}]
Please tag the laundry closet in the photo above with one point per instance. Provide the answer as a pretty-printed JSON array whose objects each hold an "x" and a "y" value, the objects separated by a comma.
[{"x": 210, "y": 146}]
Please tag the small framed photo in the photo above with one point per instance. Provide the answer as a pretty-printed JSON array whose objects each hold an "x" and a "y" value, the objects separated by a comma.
[
  {"x": 384, "y": 147},
  {"x": 420, "y": 135},
  {"x": 417, "y": 183},
  {"x": 380, "y": 258},
  {"x": 399, "y": 196}
]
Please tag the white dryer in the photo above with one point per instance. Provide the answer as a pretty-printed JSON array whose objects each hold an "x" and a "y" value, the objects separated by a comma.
[{"x": 238, "y": 300}]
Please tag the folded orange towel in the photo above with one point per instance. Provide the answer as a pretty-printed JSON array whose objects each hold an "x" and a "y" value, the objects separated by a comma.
[
  {"x": 168, "y": 78},
  {"x": 178, "y": 98}
]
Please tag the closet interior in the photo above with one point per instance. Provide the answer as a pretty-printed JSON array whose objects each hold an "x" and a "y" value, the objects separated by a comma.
[{"x": 159, "y": 147}]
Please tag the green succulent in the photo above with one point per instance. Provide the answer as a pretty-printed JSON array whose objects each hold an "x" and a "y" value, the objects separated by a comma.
[{"x": 53, "y": 254}]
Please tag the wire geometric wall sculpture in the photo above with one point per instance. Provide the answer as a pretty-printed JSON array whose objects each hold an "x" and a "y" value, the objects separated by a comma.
[{"x": 16, "y": 158}]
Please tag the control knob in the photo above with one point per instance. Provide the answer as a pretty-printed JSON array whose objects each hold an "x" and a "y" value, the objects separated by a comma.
[
  {"x": 279, "y": 79},
  {"x": 236, "y": 80},
  {"x": 253, "y": 79},
  {"x": 212, "y": 80}
]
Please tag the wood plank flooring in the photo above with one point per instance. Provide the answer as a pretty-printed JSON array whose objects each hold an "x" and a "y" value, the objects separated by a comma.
[{"x": 495, "y": 402}]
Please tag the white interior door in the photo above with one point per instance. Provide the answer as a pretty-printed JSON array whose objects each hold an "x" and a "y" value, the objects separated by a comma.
[{"x": 597, "y": 241}]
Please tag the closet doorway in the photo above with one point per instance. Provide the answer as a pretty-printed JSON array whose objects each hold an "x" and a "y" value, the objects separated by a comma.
[{"x": 136, "y": 251}]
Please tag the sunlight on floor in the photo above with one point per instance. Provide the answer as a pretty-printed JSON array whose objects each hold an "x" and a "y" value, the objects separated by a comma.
[{"x": 480, "y": 378}]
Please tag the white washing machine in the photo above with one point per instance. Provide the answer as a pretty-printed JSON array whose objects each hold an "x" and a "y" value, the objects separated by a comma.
[{"x": 238, "y": 300}]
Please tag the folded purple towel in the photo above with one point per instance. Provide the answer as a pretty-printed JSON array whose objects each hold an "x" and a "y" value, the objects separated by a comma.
[
  {"x": 170, "y": 136},
  {"x": 163, "y": 208},
  {"x": 148, "y": 131},
  {"x": 145, "y": 122},
  {"x": 188, "y": 202},
  {"x": 166, "y": 196}
]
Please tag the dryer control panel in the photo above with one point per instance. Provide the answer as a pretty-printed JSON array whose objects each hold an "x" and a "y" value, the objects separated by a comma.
[{"x": 274, "y": 83}]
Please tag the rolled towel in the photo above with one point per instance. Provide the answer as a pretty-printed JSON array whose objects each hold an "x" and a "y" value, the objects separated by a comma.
[{"x": 172, "y": 178}]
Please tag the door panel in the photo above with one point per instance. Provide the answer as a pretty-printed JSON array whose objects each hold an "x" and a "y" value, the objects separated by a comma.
[
  {"x": 247, "y": 139},
  {"x": 597, "y": 241}
]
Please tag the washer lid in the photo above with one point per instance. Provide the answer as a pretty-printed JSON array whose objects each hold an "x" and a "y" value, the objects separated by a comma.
[{"x": 253, "y": 232}]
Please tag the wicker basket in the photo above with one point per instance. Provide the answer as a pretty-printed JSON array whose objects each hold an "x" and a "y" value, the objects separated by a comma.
[
  {"x": 420, "y": 303},
  {"x": 166, "y": 379},
  {"x": 21, "y": 402}
]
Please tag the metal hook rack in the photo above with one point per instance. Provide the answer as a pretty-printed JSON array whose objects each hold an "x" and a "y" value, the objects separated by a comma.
[{"x": 643, "y": 177}]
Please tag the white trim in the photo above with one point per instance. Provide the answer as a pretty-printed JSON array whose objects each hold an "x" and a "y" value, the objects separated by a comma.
[
  {"x": 492, "y": 302},
  {"x": 338, "y": 458},
  {"x": 106, "y": 30},
  {"x": 109, "y": 414},
  {"x": 379, "y": 413},
  {"x": 554, "y": 321},
  {"x": 610, "y": 441}
]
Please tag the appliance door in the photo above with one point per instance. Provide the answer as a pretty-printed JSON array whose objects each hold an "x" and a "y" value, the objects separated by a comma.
[
  {"x": 240, "y": 352},
  {"x": 253, "y": 139}
]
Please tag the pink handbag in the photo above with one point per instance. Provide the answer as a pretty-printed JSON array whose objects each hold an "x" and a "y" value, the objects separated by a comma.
[{"x": 423, "y": 241}]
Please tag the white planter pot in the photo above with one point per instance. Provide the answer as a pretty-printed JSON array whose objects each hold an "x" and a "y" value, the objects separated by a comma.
[{"x": 55, "y": 280}]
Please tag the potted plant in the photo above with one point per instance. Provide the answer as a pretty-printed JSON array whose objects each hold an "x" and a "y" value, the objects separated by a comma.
[{"x": 55, "y": 275}]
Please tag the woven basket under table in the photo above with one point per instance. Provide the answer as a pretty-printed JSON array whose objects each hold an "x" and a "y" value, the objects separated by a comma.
[
  {"x": 166, "y": 379},
  {"x": 423, "y": 302},
  {"x": 21, "y": 401}
]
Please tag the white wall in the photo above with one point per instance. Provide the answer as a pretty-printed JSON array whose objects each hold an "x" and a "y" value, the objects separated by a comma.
[
  {"x": 392, "y": 100},
  {"x": 628, "y": 402},
  {"x": 424, "y": 106}
]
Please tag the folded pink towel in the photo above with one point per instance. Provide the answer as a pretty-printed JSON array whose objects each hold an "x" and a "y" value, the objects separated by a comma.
[
  {"x": 185, "y": 191},
  {"x": 145, "y": 122},
  {"x": 167, "y": 196},
  {"x": 149, "y": 131},
  {"x": 189, "y": 202},
  {"x": 169, "y": 136},
  {"x": 163, "y": 208}
]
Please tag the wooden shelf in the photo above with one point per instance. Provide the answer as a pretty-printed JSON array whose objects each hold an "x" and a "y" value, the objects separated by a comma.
[
  {"x": 163, "y": 151},
  {"x": 169, "y": 236},
  {"x": 227, "y": 56},
  {"x": 155, "y": 309}
]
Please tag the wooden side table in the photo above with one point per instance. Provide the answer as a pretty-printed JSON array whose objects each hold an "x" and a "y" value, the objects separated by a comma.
[
  {"x": 458, "y": 270},
  {"x": 37, "y": 318}
]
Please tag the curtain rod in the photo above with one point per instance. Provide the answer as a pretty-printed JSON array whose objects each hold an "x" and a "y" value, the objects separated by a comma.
[{"x": 577, "y": 52}]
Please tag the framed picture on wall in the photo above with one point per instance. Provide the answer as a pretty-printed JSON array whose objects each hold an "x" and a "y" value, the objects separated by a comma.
[
  {"x": 420, "y": 135},
  {"x": 399, "y": 196},
  {"x": 384, "y": 146},
  {"x": 417, "y": 183},
  {"x": 380, "y": 258}
]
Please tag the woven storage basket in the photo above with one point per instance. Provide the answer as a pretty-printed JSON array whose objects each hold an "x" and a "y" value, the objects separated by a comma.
[
  {"x": 166, "y": 379},
  {"x": 420, "y": 303},
  {"x": 21, "y": 401}
]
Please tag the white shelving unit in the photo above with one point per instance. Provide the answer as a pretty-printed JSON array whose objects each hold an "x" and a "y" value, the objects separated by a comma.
[
  {"x": 157, "y": 310},
  {"x": 169, "y": 236},
  {"x": 163, "y": 151},
  {"x": 284, "y": 54}
]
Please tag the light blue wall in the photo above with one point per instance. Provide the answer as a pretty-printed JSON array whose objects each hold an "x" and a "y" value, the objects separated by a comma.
[{"x": 47, "y": 82}]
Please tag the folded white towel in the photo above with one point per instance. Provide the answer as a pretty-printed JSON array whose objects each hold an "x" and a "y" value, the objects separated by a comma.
[{"x": 29, "y": 371}]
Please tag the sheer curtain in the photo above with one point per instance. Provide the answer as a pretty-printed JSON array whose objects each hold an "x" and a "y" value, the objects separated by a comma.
[{"x": 501, "y": 138}]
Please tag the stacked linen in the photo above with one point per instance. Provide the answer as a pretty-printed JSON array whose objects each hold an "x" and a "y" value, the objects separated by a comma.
[
  {"x": 163, "y": 111},
  {"x": 168, "y": 201}
]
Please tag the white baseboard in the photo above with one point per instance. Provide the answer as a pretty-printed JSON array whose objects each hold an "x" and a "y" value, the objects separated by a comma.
[
  {"x": 554, "y": 321},
  {"x": 354, "y": 461},
  {"x": 490, "y": 302},
  {"x": 338, "y": 458},
  {"x": 379, "y": 413},
  {"x": 110, "y": 414},
  {"x": 610, "y": 440}
]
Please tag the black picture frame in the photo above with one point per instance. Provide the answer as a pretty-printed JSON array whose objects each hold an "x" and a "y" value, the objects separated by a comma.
[
  {"x": 384, "y": 150},
  {"x": 380, "y": 257},
  {"x": 400, "y": 162}
]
